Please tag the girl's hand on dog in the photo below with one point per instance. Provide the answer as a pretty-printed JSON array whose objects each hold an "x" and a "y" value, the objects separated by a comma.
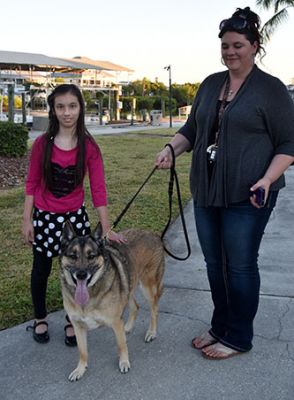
[
  {"x": 116, "y": 237},
  {"x": 28, "y": 232}
]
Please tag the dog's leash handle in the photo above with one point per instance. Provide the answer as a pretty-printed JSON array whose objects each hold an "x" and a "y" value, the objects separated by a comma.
[{"x": 174, "y": 178}]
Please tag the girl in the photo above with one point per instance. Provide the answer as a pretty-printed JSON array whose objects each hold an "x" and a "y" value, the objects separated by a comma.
[{"x": 54, "y": 193}]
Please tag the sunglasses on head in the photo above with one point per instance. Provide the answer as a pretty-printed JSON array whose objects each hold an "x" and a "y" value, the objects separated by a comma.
[{"x": 234, "y": 23}]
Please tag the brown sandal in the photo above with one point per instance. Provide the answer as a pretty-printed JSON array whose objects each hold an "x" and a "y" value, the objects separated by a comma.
[
  {"x": 205, "y": 338},
  {"x": 218, "y": 351}
]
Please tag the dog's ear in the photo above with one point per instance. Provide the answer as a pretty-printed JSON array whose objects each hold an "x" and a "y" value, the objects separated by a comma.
[
  {"x": 68, "y": 233},
  {"x": 97, "y": 233}
]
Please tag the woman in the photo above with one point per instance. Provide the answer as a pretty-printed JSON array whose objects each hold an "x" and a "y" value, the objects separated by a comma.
[
  {"x": 54, "y": 193},
  {"x": 241, "y": 130}
]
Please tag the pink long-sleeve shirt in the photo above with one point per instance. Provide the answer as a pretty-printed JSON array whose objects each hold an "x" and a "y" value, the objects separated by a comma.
[{"x": 45, "y": 199}]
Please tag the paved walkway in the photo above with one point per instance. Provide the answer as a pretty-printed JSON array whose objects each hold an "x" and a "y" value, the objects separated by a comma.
[
  {"x": 169, "y": 368},
  {"x": 96, "y": 129}
]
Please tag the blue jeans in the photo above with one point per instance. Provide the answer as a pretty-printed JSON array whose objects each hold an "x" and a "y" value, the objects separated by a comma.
[{"x": 230, "y": 239}]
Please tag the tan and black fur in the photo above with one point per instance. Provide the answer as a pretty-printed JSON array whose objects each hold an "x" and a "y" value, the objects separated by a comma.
[{"x": 99, "y": 279}]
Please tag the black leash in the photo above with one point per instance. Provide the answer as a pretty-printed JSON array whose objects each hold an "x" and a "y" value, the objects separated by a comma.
[
  {"x": 174, "y": 178},
  {"x": 132, "y": 199}
]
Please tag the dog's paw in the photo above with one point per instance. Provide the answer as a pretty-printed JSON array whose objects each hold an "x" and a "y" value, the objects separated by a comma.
[
  {"x": 150, "y": 336},
  {"x": 124, "y": 366},
  {"x": 77, "y": 373},
  {"x": 129, "y": 327}
]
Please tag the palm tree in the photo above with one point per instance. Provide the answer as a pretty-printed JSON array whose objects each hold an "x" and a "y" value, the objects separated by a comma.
[{"x": 280, "y": 15}]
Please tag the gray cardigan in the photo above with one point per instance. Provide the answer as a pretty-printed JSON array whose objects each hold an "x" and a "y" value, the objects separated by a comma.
[{"x": 257, "y": 124}]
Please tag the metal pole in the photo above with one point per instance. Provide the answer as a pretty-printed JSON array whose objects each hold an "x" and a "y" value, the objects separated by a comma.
[
  {"x": 23, "y": 107},
  {"x": 100, "y": 104},
  {"x": 10, "y": 103},
  {"x": 132, "y": 112},
  {"x": 170, "y": 99},
  {"x": 168, "y": 68},
  {"x": 1, "y": 103}
]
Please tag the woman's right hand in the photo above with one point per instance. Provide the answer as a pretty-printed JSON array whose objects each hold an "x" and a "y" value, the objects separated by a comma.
[
  {"x": 28, "y": 232},
  {"x": 164, "y": 158}
]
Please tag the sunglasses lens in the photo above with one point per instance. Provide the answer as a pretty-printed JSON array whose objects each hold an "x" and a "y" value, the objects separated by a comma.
[
  {"x": 234, "y": 23},
  {"x": 222, "y": 24}
]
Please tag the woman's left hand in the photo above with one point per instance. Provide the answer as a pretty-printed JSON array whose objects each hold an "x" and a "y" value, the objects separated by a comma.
[
  {"x": 116, "y": 237},
  {"x": 263, "y": 183}
]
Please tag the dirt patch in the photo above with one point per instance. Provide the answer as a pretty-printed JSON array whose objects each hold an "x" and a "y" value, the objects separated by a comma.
[{"x": 13, "y": 171}]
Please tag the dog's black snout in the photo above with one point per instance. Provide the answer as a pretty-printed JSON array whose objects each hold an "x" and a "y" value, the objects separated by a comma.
[{"x": 81, "y": 275}]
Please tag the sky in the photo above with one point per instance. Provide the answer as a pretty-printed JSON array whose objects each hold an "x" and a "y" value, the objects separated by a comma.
[{"x": 145, "y": 35}]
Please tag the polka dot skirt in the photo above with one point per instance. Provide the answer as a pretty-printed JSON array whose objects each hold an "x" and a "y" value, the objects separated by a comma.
[{"x": 48, "y": 228}]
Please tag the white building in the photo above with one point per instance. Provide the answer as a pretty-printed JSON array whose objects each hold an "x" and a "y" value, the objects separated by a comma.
[{"x": 44, "y": 72}]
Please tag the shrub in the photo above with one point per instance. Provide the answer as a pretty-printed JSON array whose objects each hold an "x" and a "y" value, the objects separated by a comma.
[
  {"x": 17, "y": 102},
  {"x": 13, "y": 139}
]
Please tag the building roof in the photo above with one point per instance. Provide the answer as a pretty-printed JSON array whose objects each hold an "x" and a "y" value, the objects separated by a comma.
[
  {"x": 40, "y": 62},
  {"x": 106, "y": 65}
]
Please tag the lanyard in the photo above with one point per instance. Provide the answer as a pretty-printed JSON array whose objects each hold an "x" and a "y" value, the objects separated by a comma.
[{"x": 222, "y": 108}]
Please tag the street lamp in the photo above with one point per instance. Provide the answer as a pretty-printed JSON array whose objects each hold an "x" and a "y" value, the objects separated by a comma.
[{"x": 168, "y": 68}]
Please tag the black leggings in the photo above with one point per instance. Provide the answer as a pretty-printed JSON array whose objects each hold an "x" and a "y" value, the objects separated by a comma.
[{"x": 40, "y": 273}]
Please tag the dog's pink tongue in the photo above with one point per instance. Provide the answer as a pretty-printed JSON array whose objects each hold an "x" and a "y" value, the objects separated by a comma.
[{"x": 81, "y": 294}]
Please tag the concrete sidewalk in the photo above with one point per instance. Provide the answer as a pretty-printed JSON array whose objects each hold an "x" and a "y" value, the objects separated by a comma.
[
  {"x": 96, "y": 129},
  {"x": 169, "y": 368}
]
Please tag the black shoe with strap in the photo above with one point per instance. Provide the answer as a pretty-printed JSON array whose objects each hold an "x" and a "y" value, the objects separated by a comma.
[
  {"x": 39, "y": 337},
  {"x": 70, "y": 341}
]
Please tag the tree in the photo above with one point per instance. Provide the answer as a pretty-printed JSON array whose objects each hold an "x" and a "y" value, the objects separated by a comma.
[
  {"x": 155, "y": 95},
  {"x": 184, "y": 94},
  {"x": 280, "y": 15},
  {"x": 89, "y": 101},
  {"x": 144, "y": 87}
]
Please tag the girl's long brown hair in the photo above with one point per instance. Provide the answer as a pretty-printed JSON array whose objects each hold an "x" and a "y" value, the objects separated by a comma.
[{"x": 53, "y": 128}]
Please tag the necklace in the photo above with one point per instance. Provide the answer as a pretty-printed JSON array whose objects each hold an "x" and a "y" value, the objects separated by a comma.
[{"x": 230, "y": 92}]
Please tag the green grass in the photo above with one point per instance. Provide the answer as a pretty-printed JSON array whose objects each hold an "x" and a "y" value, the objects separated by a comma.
[{"x": 128, "y": 160}]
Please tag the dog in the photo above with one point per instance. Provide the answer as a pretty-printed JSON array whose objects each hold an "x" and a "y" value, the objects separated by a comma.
[{"x": 99, "y": 279}]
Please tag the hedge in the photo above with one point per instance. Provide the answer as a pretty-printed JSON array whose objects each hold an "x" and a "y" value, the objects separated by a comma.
[{"x": 13, "y": 139}]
